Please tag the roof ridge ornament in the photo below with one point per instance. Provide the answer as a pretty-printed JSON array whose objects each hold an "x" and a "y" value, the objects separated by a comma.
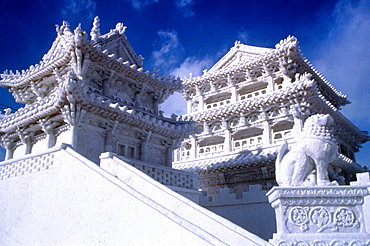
[
  {"x": 95, "y": 31},
  {"x": 63, "y": 29},
  {"x": 290, "y": 44},
  {"x": 121, "y": 28}
]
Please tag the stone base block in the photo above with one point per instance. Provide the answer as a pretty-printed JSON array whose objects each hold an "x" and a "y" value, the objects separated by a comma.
[{"x": 322, "y": 216}]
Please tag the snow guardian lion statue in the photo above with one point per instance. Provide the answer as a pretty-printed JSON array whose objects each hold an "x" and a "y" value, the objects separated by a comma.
[{"x": 307, "y": 162}]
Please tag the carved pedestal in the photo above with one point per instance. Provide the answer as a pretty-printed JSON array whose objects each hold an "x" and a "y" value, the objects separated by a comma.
[{"x": 319, "y": 216}]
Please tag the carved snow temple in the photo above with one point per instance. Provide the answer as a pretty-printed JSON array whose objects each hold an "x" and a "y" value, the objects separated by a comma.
[
  {"x": 250, "y": 102},
  {"x": 94, "y": 95},
  {"x": 89, "y": 156}
]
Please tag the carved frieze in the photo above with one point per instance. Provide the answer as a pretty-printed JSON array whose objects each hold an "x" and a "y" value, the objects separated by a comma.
[
  {"x": 319, "y": 214},
  {"x": 319, "y": 219}
]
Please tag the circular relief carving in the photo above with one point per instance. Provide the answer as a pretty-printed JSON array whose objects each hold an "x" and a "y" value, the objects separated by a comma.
[
  {"x": 302, "y": 244},
  {"x": 320, "y": 216},
  {"x": 344, "y": 217},
  {"x": 319, "y": 243},
  {"x": 337, "y": 243},
  {"x": 298, "y": 216},
  {"x": 357, "y": 243},
  {"x": 284, "y": 243}
]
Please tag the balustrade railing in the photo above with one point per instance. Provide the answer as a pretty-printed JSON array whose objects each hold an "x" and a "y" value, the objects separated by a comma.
[
  {"x": 282, "y": 136},
  {"x": 211, "y": 150},
  {"x": 217, "y": 104},
  {"x": 248, "y": 143},
  {"x": 252, "y": 94},
  {"x": 184, "y": 154},
  {"x": 165, "y": 175}
]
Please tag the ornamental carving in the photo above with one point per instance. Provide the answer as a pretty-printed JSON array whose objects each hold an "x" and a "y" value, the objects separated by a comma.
[
  {"x": 323, "y": 243},
  {"x": 322, "y": 219},
  {"x": 344, "y": 217},
  {"x": 299, "y": 216}
]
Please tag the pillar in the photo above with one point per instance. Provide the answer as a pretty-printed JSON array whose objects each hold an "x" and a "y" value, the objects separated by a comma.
[
  {"x": 144, "y": 146},
  {"x": 234, "y": 94},
  {"x": 8, "y": 144},
  {"x": 72, "y": 114},
  {"x": 189, "y": 106},
  {"x": 201, "y": 103},
  {"x": 297, "y": 126},
  {"x": 194, "y": 147},
  {"x": 271, "y": 84},
  {"x": 227, "y": 141}
]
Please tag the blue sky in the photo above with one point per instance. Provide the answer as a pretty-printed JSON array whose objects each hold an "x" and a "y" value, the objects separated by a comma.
[{"x": 183, "y": 36}]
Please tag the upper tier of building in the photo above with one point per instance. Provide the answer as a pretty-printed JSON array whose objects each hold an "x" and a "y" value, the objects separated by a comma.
[
  {"x": 90, "y": 60},
  {"x": 249, "y": 70}
]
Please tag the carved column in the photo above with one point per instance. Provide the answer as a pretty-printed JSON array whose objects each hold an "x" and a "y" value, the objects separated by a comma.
[
  {"x": 242, "y": 120},
  {"x": 205, "y": 127},
  {"x": 48, "y": 127},
  {"x": 201, "y": 103},
  {"x": 200, "y": 98},
  {"x": 267, "y": 131},
  {"x": 25, "y": 138},
  {"x": 227, "y": 136},
  {"x": 169, "y": 151},
  {"x": 8, "y": 144},
  {"x": 194, "y": 147},
  {"x": 271, "y": 84},
  {"x": 270, "y": 77},
  {"x": 110, "y": 139},
  {"x": 106, "y": 84},
  {"x": 138, "y": 96},
  {"x": 189, "y": 106},
  {"x": 234, "y": 92},
  {"x": 227, "y": 141},
  {"x": 144, "y": 145},
  {"x": 72, "y": 114}
]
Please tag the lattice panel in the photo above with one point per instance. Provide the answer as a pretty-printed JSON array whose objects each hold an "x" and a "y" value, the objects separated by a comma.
[
  {"x": 166, "y": 177},
  {"x": 30, "y": 165}
]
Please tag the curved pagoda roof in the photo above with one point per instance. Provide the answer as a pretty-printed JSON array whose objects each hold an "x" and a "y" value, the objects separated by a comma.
[
  {"x": 242, "y": 58},
  {"x": 111, "y": 50},
  {"x": 58, "y": 80}
]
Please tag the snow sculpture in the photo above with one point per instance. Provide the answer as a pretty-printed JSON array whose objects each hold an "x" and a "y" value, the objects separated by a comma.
[
  {"x": 307, "y": 162},
  {"x": 95, "y": 31}
]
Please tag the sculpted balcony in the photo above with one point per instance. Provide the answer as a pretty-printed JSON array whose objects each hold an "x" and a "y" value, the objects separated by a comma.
[
  {"x": 211, "y": 150},
  {"x": 248, "y": 143},
  {"x": 281, "y": 136},
  {"x": 217, "y": 104}
]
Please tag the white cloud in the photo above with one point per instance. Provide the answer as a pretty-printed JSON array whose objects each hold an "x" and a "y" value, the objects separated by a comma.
[
  {"x": 345, "y": 61},
  {"x": 78, "y": 7},
  {"x": 170, "y": 51},
  {"x": 139, "y": 4},
  {"x": 345, "y": 57},
  {"x": 175, "y": 104},
  {"x": 194, "y": 66},
  {"x": 244, "y": 36},
  {"x": 186, "y": 7}
]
